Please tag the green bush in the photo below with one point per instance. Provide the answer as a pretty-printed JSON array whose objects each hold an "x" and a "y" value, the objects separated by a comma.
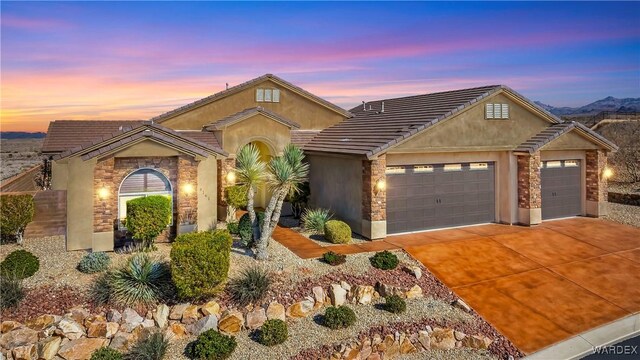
[
  {"x": 245, "y": 230},
  {"x": 273, "y": 332},
  {"x": 334, "y": 259},
  {"x": 200, "y": 262},
  {"x": 337, "y": 232},
  {"x": 339, "y": 317},
  {"x": 236, "y": 196},
  {"x": 384, "y": 260},
  {"x": 250, "y": 287},
  {"x": 299, "y": 199},
  {"x": 20, "y": 264},
  {"x": 106, "y": 353},
  {"x": 16, "y": 212},
  {"x": 212, "y": 345},
  {"x": 315, "y": 219},
  {"x": 147, "y": 217},
  {"x": 395, "y": 304},
  {"x": 11, "y": 292},
  {"x": 94, "y": 262},
  {"x": 232, "y": 228},
  {"x": 152, "y": 347}
]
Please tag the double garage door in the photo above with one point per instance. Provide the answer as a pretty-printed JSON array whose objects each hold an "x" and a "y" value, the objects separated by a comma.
[
  {"x": 561, "y": 188},
  {"x": 421, "y": 197}
]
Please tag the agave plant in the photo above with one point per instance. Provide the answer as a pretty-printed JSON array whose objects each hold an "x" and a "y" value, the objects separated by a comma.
[
  {"x": 153, "y": 347},
  {"x": 250, "y": 287},
  {"x": 250, "y": 173},
  {"x": 141, "y": 281},
  {"x": 314, "y": 219}
]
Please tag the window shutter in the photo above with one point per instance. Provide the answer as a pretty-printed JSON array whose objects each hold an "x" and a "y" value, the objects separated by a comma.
[
  {"x": 505, "y": 111},
  {"x": 259, "y": 95},
  {"x": 276, "y": 95},
  {"x": 489, "y": 111}
]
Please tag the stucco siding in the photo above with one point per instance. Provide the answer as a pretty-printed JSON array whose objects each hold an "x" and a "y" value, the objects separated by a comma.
[
  {"x": 147, "y": 148},
  {"x": 207, "y": 194},
  {"x": 256, "y": 128},
  {"x": 80, "y": 204},
  {"x": 570, "y": 141},
  {"x": 59, "y": 175}
]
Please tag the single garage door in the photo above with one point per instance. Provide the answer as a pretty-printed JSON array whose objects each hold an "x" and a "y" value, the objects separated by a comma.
[
  {"x": 561, "y": 188},
  {"x": 421, "y": 197}
]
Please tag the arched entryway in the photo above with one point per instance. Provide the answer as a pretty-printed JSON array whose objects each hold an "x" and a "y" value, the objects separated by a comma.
[
  {"x": 266, "y": 153},
  {"x": 141, "y": 183}
]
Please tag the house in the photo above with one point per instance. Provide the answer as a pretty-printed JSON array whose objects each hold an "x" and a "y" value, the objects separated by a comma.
[{"x": 390, "y": 166}]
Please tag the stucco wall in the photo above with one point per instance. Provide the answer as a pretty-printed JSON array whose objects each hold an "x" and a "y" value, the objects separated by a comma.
[
  {"x": 256, "y": 128},
  {"x": 336, "y": 184},
  {"x": 80, "y": 203},
  {"x": 307, "y": 113},
  {"x": 207, "y": 197},
  {"x": 147, "y": 148},
  {"x": 570, "y": 141},
  {"x": 59, "y": 175}
]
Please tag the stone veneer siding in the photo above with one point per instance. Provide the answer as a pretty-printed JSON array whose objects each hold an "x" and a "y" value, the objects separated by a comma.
[
  {"x": 374, "y": 202},
  {"x": 224, "y": 167},
  {"x": 529, "y": 185},
  {"x": 596, "y": 162},
  {"x": 187, "y": 203}
]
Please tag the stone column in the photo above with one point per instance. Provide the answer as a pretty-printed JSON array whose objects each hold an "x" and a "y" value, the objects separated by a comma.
[
  {"x": 374, "y": 200},
  {"x": 187, "y": 194},
  {"x": 225, "y": 166},
  {"x": 596, "y": 162},
  {"x": 529, "y": 189}
]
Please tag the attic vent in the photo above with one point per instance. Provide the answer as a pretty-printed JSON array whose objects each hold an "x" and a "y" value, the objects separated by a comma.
[{"x": 496, "y": 111}]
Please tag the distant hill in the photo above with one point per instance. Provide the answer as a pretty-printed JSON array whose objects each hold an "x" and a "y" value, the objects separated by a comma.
[
  {"x": 21, "y": 135},
  {"x": 609, "y": 103}
]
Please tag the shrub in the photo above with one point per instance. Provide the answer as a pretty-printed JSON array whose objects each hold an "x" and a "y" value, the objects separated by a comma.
[
  {"x": 232, "y": 228},
  {"x": 334, "y": 259},
  {"x": 339, "y": 317},
  {"x": 236, "y": 196},
  {"x": 16, "y": 212},
  {"x": 94, "y": 262},
  {"x": 315, "y": 219},
  {"x": 245, "y": 230},
  {"x": 250, "y": 287},
  {"x": 273, "y": 332},
  {"x": 200, "y": 262},
  {"x": 152, "y": 347},
  {"x": 212, "y": 345},
  {"x": 11, "y": 292},
  {"x": 395, "y": 304},
  {"x": 100, "y": 291},
  {"x": 147, "y": 217},
  {"x": 106, "y": 353},
  {"x": 384, "y": 260},
  {"x": 20, "y": 264},
  {"x": 299, "y": 199},
  {"x": 337, "y": 232}
]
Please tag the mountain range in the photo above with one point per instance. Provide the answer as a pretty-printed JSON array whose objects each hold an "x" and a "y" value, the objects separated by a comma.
[{"x": 609, "y": 103}]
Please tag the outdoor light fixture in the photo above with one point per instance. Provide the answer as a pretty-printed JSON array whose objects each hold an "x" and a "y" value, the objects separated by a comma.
[
  {"x": 187, "y": 189},
  {"x": 607, "y": 173},
  {"x": 103, "y": 193},
  {"x": 231, "y": 177},
  {"x": 381, "y": 185}
]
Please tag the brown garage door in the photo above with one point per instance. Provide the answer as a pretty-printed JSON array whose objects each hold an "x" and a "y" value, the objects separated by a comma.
[
  {"x": 422, "y": 197},
  {"x": 561, "y": 189}
]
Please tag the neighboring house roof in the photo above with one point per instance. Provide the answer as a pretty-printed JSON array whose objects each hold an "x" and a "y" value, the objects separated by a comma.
[
  {"x": 63, "y": 135},
  {"x": 22, "y": 182},
  {"x": 140, "y": 131},
  {"x": 247, "y": 113},
  {"x": 374, "y": 130},
  {"x": 301, "y": 137},
  {"x": 235, "y": 89},
  {"x": 556, "y": 130}
]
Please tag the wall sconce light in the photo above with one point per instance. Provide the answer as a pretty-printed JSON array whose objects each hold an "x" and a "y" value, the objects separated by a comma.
[
  {"x": 381, "y": 185},
  {"x": 103, "y": 193},
  {"x": 188, "y": 189},
  {"x": 231, "y": 177},
  {"x": 607, "y": 173}
]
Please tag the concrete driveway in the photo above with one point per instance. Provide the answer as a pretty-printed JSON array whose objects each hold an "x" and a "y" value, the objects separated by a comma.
[{"x": 539, "y": 285}]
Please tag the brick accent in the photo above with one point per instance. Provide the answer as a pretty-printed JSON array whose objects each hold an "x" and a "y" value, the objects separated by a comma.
[
  {"x": 529, "y": 185},
  {"x": 374, "y": 201},
  {"x": 597, "y": 188},
  {"x": 187, "y": 202},
  {"x": 224, "y": 167}
]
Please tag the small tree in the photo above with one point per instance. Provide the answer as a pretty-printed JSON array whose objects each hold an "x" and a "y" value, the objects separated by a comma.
[
  {"x": 299, "y": 199},
  {"x": 16, "y": 213},
  {"x": 147, "y": 217},
  {"x": 251, "y": 173},
  {"x": 236, "y": 198}
]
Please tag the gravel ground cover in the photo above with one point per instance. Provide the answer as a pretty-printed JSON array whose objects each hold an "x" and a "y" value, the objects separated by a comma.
[{"x": 624, "y": 214}]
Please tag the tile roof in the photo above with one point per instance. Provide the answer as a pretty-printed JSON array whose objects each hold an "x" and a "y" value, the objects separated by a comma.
[
  {"x": 247, "y": 113},
  {"x": 556, "y": 130},
  {"x": 63, "y": 135},
  {"x": 301, "y": 137},
  {"x": 235, "y": 89}
]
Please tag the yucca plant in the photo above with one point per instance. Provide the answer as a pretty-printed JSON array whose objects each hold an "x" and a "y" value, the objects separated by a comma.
[
  {"x": 151, "y": 348},
  {"x": 250, "y": 287},
  {"x": 11, "y": 292},
  {"x": 314, "y": 220},
  {"x": 250, "y": 171}
]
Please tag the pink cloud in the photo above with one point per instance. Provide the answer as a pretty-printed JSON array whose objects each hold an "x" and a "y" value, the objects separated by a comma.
[{"x": 32, "y": 24}]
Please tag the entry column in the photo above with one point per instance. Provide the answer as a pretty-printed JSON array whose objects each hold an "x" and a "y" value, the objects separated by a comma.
[
  {"x": 374, "y": 198},
  {"x": 529, "y": 189},
  {"x": 597, "y": 189}
]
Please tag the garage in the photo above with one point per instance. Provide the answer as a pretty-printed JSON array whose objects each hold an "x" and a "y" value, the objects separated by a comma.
[
  {"x": 561, "y": 188},
  {"x": 431, "y": 196}
]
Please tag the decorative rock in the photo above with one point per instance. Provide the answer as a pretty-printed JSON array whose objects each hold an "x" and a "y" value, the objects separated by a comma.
[
  {"x": 231, "y": 322},
  {"x": 414, "y": 270},
  {"x": 190, "y": 314},
  {"x": 42, "y": 322},
  {"x": 122, "y": 341},
  {"x": 384, "y": 289},
  {"x": 459, "y": 335},
  {"x": 71, "y": 329},
  {"x": 114, "y": 315},
  {"x": 176, "y": 331},
  {"x": 406, "y": 347},
  {"x": 81, "y": 349},
  {"x": 161, "y": 315},
  {"x": 206, "y": 323},
  {"x": 424, "y": 339},
  {"x": 8, "y": 326},
  {"x": 103, "y": 329},
  {"x": 129, "y": 328},
  {"x": 414, "y": 293},
  {"x": 374, "y": 356},
  {"x": 48, "y": 348},
  {"x": 211, "y": 308},
  {"x": 276, "y": 311},
  {"x": 442, "y": 339},
  {"x": 18, "y": 337},
  {"x": 256, "y": 318},
  {"x": 364, "y": 294},
  {"x": 301, "y": 308},
  {"x": 79, "y": 313},
  {"x": 319, "y": 295},
  {"x": 25, "y": 352},
  {"x": 148, "y": 323},
  {"x": 459, "y": 303},
  {"x": 130, "y": 316},
  {"x": 338, "y": 295},
  {"x": 476, "y": 342},
  {"x": 177, "y": 311}
]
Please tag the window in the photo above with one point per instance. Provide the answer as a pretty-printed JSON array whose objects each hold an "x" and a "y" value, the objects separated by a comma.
[
  {"x": 496, "y": 111},
  {"x": 268, "y": 95},
  {"x": 478, "y": 166},
  {"x": 394, "y": 170},
  {"x": 553, "y": 164},
  {"x": 453, "y": 167},
  {"x": 423, "y": 168},
  {"x": 141, "y": 183},
  {"x": 571, "y": 163}
]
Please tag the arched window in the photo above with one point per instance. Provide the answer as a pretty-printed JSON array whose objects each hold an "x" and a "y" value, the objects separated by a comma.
[{"x": 140, "y": 183}]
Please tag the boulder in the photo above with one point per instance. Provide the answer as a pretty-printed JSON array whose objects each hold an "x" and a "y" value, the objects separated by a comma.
[
  {"x": 25, "y": 352},
  {"x": 461, "y": 305},
  {"x": 79, "y": 313},
  {"x": 129, "y": 328},
  {"x": 122, "y": 341},
  {"x": 231, "y": 322},
  {"x": 71, "y": 329},
  {"x": 102, "y": 329},
  {"x": 476, "y": 342},
  {"x": 18, "y": 337},
  {"x": 256, "y": 318},
  {"x": 211, "y": 308},
  {"x": 81, "y": 349},
  {"x": 414, "y": 293},
  {"x": 301, "y": 308},
  {"x": 384, "y": 289},
  {"x": 177, "y": 311},
  {"x": 130, "y": 316},
  {"x": 161, "y": 315},
  {"x": 48, "y": 348},
  {"x": 459, "y": 335},
  {"x": 9, "y": 325},
  {"x": 442, "y": 339},
  {"x": 206, "y": 323},
  {"x": 364, "y": 294},
  {"x": 191, "y": 314},
  {"x": 114, "y": 315},
  {"x": 414, "y": 270},
  {"x": 175, "y": 331},
  {"x": 337, "y": 294},
  {"x": 319, "y": 295},
  {"x": 424, "y": 339},
  {"x": 42, "y": 322},
  {"x": 406, "y": 347},
  {"x": 276, "y": 311},
  {"x": 148, "y": 323}
]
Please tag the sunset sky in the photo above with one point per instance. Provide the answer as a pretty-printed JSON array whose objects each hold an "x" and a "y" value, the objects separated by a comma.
[{"x": 134, "y": 60}]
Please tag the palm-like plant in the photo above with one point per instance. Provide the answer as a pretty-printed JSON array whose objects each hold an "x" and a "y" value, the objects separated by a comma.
[
  {"x": 250, "y": 173},
  {"x": 285, "y": 175}
]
